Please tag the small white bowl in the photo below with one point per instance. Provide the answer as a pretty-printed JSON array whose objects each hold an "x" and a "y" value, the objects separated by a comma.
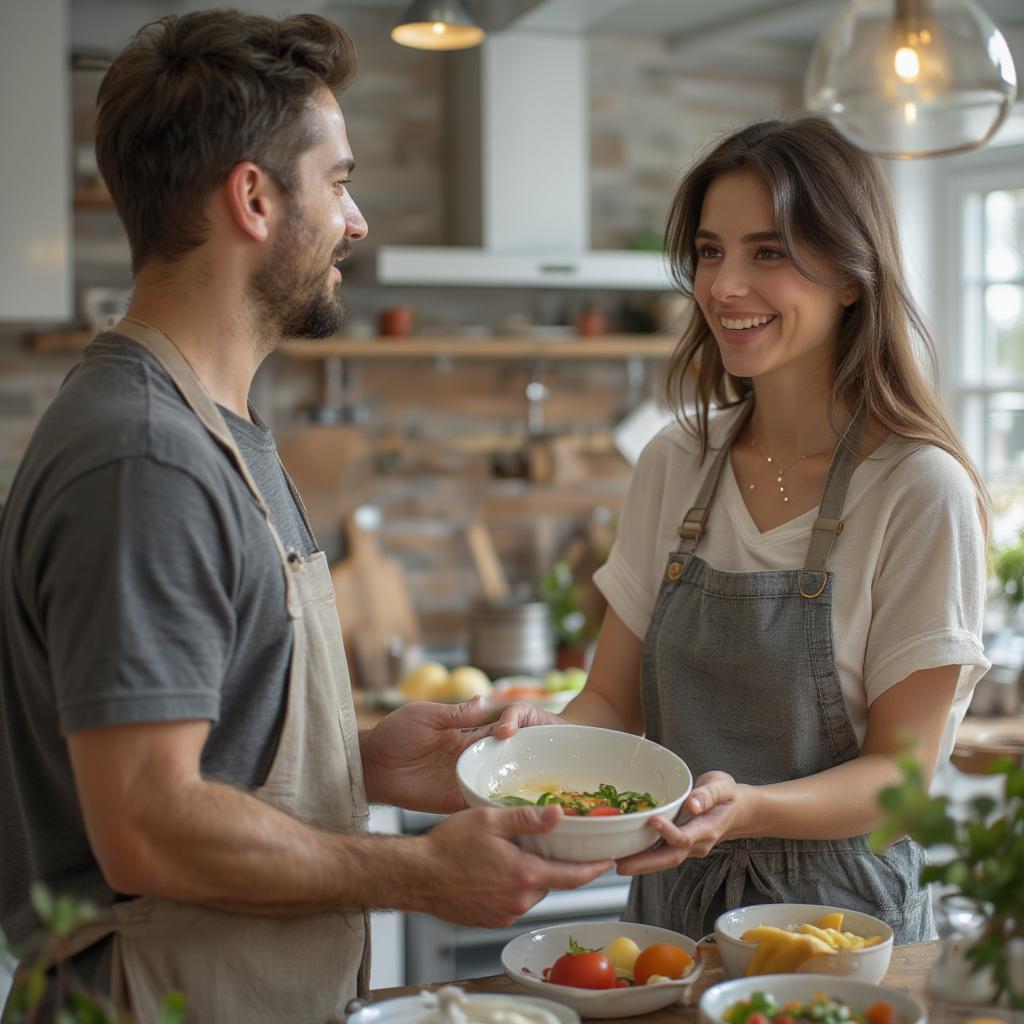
[
  {"x": 541, "y": 948},
  {"x": 413, "y": 1009},
  {"x": 858, "y": 995},
  {"x": 867, "y": 965},
  {"x": 582, "y": 758}
]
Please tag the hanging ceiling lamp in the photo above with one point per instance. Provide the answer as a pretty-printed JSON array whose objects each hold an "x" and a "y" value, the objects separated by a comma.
[
  {"x": 912, "y": 78},
  {"x": 437, "y": 25}
]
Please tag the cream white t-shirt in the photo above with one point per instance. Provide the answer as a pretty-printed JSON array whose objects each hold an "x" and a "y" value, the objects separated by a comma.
[{"x": 909, "y": 583}]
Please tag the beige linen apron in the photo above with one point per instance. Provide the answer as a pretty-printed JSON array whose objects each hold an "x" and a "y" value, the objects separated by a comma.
[{"x": 236, "y": 967}]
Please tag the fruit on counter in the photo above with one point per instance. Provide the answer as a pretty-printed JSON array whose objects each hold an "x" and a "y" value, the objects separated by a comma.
[
  {"x": 662, "y": 960},
  {"x": 622, "y": 952},
  {"x": 425, "y": 682},
  {"x": 571, "y": 679},
  {"x": 582, "y": 968},
  {"x": 465, "y": 682},
  {"x": 620, "y": 964},
  {"x": 781, "y": 950}
]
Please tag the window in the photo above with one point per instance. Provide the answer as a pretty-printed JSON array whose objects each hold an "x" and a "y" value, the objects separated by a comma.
[{"x": 990, "y": 377}]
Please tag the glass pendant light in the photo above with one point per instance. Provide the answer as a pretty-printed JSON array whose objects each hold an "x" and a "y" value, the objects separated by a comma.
[
  {"x": 437, "y": 25},
  {"x": 912, "y": 78}
]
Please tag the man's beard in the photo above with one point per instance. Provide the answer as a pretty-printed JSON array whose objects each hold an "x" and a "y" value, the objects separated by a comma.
[{"x": 292, "y": 294}]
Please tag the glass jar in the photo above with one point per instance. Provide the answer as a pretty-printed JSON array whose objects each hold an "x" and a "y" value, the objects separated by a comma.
[{"x": 960, "y": 922}]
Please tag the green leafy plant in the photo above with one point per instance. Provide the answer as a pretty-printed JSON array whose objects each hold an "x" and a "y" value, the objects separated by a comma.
[
  {"x": 72, "y": 1004},
  {"x": 987, "y": 866},
  {"x": 1008, "y": 569},
  {"x": 563, "y": 594}
]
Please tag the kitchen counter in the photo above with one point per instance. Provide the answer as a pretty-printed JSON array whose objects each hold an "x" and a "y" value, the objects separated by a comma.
[{"x": 908, "y": 972}]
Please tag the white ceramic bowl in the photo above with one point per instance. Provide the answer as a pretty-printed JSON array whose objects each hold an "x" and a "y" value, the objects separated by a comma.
[
  {"x": 541, "y": 948},
  {"x": 414, "y": 1009},
  {"x": 867, "y": 965},
  {"x": 579, "y": 757},
  {"x": 858, "y": 995}
]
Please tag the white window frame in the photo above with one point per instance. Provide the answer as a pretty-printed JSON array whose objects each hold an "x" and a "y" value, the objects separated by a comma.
[{"x": 956, "y": 242}]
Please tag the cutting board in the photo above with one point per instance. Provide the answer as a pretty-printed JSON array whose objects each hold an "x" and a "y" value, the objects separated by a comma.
[{"x": 374, "y": 606}]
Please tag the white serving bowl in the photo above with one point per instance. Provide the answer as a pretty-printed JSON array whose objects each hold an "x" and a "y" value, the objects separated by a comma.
[
  {"x": 867, "y": 965},
  {"x": 414, "y": 1009},
  {"x": 858, "y": 995},
  {"x": 538, "y": 949},
  {"x": 582, "y": 758}
]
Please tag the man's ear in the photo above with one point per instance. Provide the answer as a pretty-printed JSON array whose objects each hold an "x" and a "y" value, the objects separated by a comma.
[{"x": 250, "y": 197}]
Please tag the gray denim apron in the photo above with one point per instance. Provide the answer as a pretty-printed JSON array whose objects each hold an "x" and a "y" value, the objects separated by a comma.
[{"x": 739, "y": 675}]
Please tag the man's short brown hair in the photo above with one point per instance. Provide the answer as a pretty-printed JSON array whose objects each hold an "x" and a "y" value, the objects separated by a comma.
[{"x": 191, "y": 97}]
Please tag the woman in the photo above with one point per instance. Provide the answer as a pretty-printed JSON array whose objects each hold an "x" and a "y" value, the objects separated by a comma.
[{"x": 799, "y": 573}]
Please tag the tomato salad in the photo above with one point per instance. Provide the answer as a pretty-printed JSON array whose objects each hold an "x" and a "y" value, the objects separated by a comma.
[
  {"x": 607, "y": 800},
  {"x": 762, "y": 1008}
]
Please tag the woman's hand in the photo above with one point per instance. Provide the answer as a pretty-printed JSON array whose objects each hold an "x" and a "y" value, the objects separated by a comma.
[{"x": 708, "y": 814}]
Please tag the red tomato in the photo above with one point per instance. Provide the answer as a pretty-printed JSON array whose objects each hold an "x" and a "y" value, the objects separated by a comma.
[
  {"x": 758, "y": 1018},
  {"x": 570, "y": 812},
  {"x": 589, "y": 969},
  {"x": 602, "y": 812},
  {"x": 622, "y": 982},
  {"x": 785, "y": 1018},
  {"x": 880, "y": 1013},
  {"x": 667, "y": 960}
]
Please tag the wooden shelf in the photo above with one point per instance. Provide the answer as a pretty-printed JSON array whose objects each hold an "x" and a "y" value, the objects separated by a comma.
[
  {"x": 95, "y": 195},
  {"x": 60, "y": 341},
  {"x": 611, "y": 346}
]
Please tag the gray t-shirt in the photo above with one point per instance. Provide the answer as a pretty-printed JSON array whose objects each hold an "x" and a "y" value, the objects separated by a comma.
[{"x": 138, "y": 582}]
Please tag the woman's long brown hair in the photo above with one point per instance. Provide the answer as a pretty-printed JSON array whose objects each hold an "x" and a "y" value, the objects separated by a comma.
[{"x": 831, "y": 199}]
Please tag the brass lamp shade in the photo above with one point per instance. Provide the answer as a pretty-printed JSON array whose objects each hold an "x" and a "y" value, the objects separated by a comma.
[
  {"x": 437, "y": 25},
  {"x": 912, "y": 78}
]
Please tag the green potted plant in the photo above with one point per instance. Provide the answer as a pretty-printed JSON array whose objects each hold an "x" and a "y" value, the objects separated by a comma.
[
  {"x": 1008, "y": 569},
  {"x": 60, "y": 916},
  {"x": 572, "y": 630},
  {"x": 984, "y": 878}
]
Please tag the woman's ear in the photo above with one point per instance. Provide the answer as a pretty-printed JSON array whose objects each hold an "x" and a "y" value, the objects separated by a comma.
[
  {"x": 249, "y": 195},
  {"x": 848, "y": 296}
]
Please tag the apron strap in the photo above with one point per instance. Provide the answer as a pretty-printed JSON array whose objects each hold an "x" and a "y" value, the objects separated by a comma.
[
  {"x": 199, "y": 400},
  {"x": 828, "y": 524},
  {"x": 693, "y": 522}
]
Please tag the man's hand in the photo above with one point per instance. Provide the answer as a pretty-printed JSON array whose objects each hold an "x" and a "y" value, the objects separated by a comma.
[
  {"x": 712, "y": 807},
  {"x": 477, "y": 876},
  {"x": 409, "y": 758},
  {"x": 519, "y": 716}
]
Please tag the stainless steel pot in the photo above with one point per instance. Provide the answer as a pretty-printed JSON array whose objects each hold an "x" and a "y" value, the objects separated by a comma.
[{"x": 509, "y": 639}]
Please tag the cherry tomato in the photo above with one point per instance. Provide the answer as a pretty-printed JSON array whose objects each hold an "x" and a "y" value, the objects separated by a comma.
[
  {"x": 758, "y": 1018},
  {"x": 880, "y": 1013},
  {"x": 589, "y": 969},
  {"x": 602, "y": 812},
  {"x": 664, "y": 959},
  {"x": 570, "y": 812},
  {"x": 622, "y": 982},
  {"x": 785, "y": 1018}
]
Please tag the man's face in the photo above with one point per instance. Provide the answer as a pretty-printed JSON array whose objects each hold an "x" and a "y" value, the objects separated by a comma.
[{"x": 299, "y": 285}]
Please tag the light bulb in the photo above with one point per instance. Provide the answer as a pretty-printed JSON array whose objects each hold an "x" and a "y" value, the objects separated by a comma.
[
  {"x": 912, "y": 78},
  {"x": 438, "y": 27},
  {"x": 907, "y": 64}
]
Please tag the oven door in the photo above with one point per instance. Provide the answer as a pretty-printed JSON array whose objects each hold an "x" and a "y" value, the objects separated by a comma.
[{"x": 436, "y": 950}]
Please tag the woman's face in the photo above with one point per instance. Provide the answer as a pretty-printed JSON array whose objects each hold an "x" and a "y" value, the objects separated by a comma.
[{"x": 766, "y": 317}]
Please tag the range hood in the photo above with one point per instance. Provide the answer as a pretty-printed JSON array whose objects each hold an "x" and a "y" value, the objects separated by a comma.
[{"x": 519, "y": 176}]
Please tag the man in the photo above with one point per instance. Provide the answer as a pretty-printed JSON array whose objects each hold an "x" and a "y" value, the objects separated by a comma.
[{"x": 179, "y": 743}]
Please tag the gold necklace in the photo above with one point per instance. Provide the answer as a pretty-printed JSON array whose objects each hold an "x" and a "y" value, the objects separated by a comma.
[{"x": 780, "y": 471}]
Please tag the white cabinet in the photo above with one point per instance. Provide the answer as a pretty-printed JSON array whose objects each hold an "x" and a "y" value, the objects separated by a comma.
[{"x": 35, "y": 163}]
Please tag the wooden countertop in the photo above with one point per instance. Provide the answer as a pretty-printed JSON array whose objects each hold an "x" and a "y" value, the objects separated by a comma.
[{"x": 908, "y": 972}]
